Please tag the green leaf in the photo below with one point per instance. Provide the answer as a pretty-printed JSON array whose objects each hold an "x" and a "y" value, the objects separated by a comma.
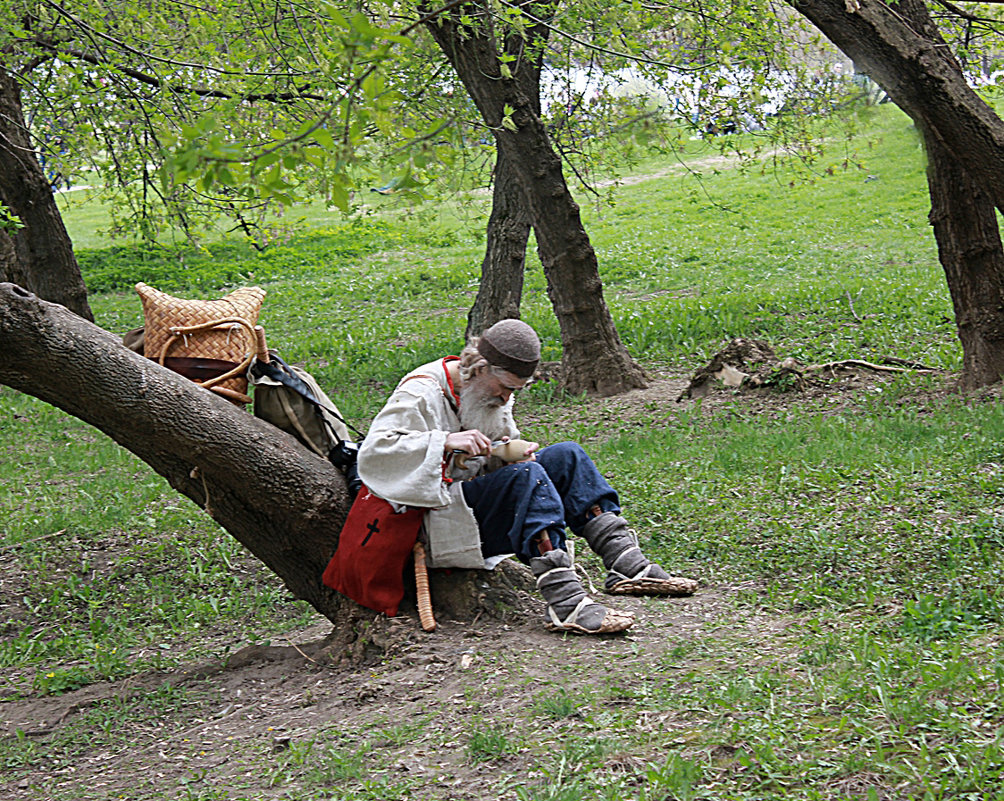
[
  {"x": 324, "y": 138},
  {"x": 339, "y": 197},
  {"x": 266, "y": 161}
]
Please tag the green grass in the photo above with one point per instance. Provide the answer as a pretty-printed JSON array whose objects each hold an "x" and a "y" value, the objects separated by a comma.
[{"x": 859, "y": 541}]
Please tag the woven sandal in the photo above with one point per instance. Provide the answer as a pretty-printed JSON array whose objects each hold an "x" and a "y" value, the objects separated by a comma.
[
  {"x": 613, "y": 621},
  {"x": 645, "y": 584},
  {"x": 629, "y": 571}
]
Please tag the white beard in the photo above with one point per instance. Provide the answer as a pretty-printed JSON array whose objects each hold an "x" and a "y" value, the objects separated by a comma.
[{"x": 486, "y": 415}]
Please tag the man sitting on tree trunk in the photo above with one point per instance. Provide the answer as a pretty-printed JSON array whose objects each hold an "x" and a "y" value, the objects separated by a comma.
[{"x": 430, "y": 447}]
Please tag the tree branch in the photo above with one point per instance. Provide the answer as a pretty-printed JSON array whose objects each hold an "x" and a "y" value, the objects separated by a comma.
[
  {"x": 158, "y": 83},
  {"x": 590, "y": 46},
  {"x": 91, "y": 32},
  {"x": 963, "y": 14}
]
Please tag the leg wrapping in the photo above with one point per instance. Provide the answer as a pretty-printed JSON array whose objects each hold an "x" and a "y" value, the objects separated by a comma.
[
  {"x": 629, "y": 571},
  {"x": 569, "y": 608}
]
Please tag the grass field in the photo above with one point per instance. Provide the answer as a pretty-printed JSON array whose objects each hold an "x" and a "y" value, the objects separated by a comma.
[{"x": 849, "y": 543}]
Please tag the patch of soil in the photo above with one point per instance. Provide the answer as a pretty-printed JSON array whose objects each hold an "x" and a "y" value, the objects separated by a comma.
[
  {"x": 747, "y": 377},
  {"x": 245, "y": 713}
]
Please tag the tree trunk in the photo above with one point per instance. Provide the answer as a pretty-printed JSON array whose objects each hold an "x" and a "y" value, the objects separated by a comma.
[
  {"x": 594, "y": 359},
  {"x": 283, "y": 503},
  {"x": 969, "y": 243},
  {"x": 502, "y": 270},
  {"x": 501, "y": 289},
  {"x": 903, "y": 51},
  {"x": 39, "y": 256},
  {"x": 969, "y": 247}
]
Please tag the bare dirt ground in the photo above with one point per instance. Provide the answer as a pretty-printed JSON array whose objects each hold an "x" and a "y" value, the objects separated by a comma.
[
  {"x": 238, "y": 725},
  {"x": 252, "y": 709}
]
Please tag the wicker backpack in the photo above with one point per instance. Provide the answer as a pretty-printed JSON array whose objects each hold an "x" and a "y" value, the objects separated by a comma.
[{"x": 211, "y": 342}]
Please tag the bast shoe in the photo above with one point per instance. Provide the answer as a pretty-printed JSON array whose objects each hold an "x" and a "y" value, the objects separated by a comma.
[{"x": 653, "y": 580}]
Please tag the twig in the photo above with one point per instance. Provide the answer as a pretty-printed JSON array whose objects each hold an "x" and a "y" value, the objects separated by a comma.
[
  {"x": 11, "y": 546},
  {"x": 197, "y": 473},
  {"x": 907, "y": 363},
  {"x": 850, "y": 302},
  {"x": 305, "y": 656}
]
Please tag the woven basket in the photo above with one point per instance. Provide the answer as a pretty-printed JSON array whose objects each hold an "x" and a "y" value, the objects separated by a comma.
[{"x": 221, "y": 330}]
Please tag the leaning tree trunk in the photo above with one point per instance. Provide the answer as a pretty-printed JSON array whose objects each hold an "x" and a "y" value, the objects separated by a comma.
[
  {"x": 39, "y": 256},
  {"x": 502, "y": 270},
  {"x": 901, "y": 49},
  {"x": 283, "y": 503},
  {"x": 594, "y": 359}
]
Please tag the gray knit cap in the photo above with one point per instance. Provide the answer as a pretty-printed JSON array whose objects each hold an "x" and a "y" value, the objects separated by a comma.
[{"x": 511, "y": 345}]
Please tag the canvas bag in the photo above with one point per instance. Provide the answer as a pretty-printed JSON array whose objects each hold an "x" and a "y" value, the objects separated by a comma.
[
  {"x": 373, "y": 550},
  {"x": 291, "y": 399}
]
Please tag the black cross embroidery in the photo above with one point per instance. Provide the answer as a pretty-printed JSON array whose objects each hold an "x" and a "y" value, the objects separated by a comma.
[{"x": 374, "y": 528}]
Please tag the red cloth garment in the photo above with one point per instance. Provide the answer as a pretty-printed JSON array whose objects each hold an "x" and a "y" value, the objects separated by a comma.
[{"x": 373, "y": 549}]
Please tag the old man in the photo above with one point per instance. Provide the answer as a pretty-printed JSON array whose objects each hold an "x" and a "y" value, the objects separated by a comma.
[{"x": 430, "y": 447}]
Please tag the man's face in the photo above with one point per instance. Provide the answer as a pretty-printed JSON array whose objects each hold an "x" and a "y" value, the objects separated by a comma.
[
  {"x": 482, "y": 400},
  {"x": 494, "y": 389}
]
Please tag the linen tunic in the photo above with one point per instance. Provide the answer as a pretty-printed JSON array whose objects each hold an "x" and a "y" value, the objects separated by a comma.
[{"x": 402, "y": 460}]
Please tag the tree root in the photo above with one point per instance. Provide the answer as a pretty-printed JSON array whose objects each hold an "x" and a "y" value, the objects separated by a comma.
[{"x": 746, "y": 364}]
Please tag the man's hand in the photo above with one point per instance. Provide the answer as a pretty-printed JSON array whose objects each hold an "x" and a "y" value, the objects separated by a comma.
[
  {"x": 531, "y": 452},
  {"x": 471, "y": 441}
]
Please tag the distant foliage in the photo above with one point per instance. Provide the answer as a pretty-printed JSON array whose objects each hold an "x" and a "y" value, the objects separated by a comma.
[{"x": 221, "y": 264}]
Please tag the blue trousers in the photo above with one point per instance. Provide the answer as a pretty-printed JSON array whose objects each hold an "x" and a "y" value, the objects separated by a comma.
[{"x": 516, "y": 503}]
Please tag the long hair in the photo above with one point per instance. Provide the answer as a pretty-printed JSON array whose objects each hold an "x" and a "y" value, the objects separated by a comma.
[{"x": 472, "y": 363}]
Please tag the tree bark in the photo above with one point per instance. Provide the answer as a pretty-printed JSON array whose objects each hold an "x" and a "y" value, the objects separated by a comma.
[
  {"x": 39, "y": 256},
  {"x": 903, "y": 51},
  {"x": 971, "y": 254},
  {"x": 503, "y": 268},
  {"x": 594, "y": 359},
  {"x": 283, "y": 503},
  {"x": 968, "y": 235}
]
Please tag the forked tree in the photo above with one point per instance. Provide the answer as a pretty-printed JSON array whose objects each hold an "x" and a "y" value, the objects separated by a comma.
[{"x": 500, "y": 67}]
